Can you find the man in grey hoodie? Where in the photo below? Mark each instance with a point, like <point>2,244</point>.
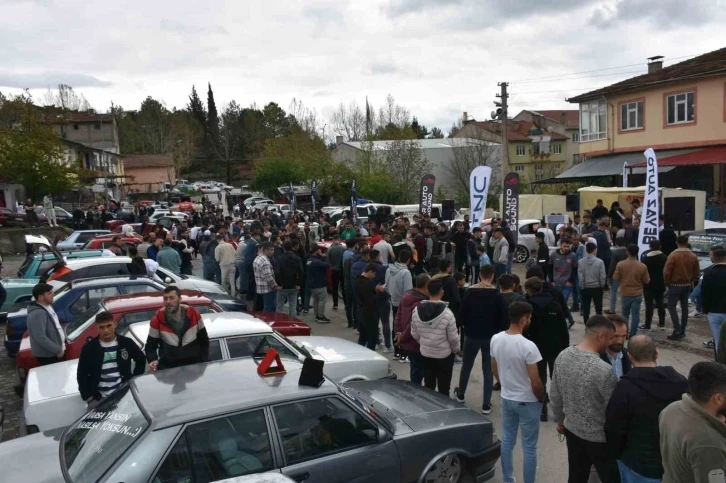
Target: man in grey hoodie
<point>564,272</point>
<point>591,279</point>
<point>47,339</point>
<point>398,281</point>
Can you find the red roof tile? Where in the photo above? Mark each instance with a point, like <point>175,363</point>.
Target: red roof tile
<point>568,117</point>
<point>710,64</point>
<point>712,155</point>
<point>518,130</point>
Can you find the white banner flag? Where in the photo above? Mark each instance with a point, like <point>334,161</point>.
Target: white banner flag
<point>478,190</point>
<point>651,204</point>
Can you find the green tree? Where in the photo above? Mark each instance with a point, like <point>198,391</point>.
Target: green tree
<point>420,131</point>
<point>271,173</point>
<point>436,133</point>
<point>276,121</point>
<point>31,153</point>
<point>212,117</point>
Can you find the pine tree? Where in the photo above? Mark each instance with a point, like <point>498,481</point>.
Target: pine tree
<point>212,117</point>
<point>196,107</point>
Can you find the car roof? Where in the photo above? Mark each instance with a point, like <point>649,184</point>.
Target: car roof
<point>189,393</point>
<point>110,280</point>
<point>77,263</point>
<point>221,324</point>
<point>141,301</point>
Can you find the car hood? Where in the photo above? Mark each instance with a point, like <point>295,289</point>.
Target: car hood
<point>419,408</point>
<point>203,285</point>
<point>333,349</point>
<point>51,381</point>
<point>45,465</point>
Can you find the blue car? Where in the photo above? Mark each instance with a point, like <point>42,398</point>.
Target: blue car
<point>75,298</point>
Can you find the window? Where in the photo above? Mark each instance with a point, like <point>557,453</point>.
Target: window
<point>312,429</point>
<point>631,116</point>
<point>557,148</point>
<point>222,448</point>
<point>84,237</point>
<point>205,309</point>
<point>519,168</point>
<point>576,159</point>
<point>681,108</point>
<point>96,125</point>
<point>520,149</point>
<point>75,127</point>
<point>92,298</point>
<point>140,289</point>
<point>245,346</point>
<point>535,148</point>
<point>575,137</point>
<point>593,121</point>
<point>133,317</point>
<point>215,350</point>
<point>107,270</point>
<point>558,165</point>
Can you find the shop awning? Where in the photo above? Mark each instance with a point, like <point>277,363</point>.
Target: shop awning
<point>701,157</point>
<point>612,165</point>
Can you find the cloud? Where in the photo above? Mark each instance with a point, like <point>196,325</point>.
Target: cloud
<point>382,68</point>
<point>193,29</point>
<point>663,13</point>
<point>42,80</point>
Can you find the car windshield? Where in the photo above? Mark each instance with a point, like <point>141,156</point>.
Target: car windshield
<point>299,347</point>
<point>95,442</point>
<point>704,243</point>
<point>80,324</point>
<point>23,270</point>
<point>61,292</point>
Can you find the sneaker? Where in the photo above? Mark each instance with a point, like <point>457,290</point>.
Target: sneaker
<point>459,397</point>
<point>661,327</point>
<point>709,344</point>
<point>676,336</point>
<point>396,356</point>
<point>379,347</point>
<point>497,386</point>
<point>458,360</point>
<point>695,313</point>
<point>486,409</point>
<point>322,320</point>
<point>335,307</point>
<point>569,325</point>
<point>643,327</point>
<point>325,319</point>
<point>403,359</point>
<point>305,312</point>
<point>388,350</point>
<point>609,312</point>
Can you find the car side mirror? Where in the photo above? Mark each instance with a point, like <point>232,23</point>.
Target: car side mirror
<point>383,435</point>
<point>167,280</point>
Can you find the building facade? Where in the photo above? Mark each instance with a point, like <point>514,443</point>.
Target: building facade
<point>146,173</point>
<point>565,122</point>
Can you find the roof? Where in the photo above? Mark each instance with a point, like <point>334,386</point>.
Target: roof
<point>568,117</point>
<point>147,301</point>
<point>710,64</point>
<point>221,324</point>
<point>58,115</point>
<point>182,394</point>
<point>111,280</point>
<point>706,156</point>
<point>135,161</point>
<point>611,165</point>
<point>519,130</point>
<point>445,143</point>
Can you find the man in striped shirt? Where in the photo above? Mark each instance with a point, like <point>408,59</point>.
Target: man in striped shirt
<point>265,277</point>
<point>105,361</point>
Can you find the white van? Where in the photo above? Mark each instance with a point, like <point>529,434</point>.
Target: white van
<point>410,210</point>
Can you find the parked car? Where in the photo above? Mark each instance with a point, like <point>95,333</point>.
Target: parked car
<point>231,334</point>
<point>5,214</point>
<point>701,243</point>
<point>128,309</point>
<point>105,241</point>
<point>20,219</point>
<point>77,239</point>
<point>167,424</point>
<point>18,290</point>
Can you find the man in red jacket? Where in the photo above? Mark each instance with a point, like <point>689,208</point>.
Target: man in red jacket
<point>409,347</point>
<point>179,331</point>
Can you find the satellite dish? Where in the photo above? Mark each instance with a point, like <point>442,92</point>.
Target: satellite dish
<point>494,114</point>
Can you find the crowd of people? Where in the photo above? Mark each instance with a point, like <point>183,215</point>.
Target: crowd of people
<point>452,296</point>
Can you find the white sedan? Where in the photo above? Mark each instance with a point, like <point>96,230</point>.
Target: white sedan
<point>51,392</point>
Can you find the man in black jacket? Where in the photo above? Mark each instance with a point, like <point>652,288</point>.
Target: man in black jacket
<point>289,274</point>
<point>316,281</point>
<point>631,426</point>
<point>655,260</point>
<point>543,252</point>
<point>367,314</point>
<point>616,354</point>
<point>712,293</point>
<point>105,361</point>
<point>451,289</point>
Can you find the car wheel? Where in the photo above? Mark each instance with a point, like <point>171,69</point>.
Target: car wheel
<point>521,254</point>
<point>448,469</point>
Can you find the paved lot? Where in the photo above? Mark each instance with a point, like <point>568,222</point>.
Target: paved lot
<point>552,464</point>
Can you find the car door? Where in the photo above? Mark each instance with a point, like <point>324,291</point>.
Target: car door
<point>220,448</point>
<point>324,440</point>
<point>90,299</point>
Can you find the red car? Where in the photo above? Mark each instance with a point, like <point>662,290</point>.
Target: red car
<point>101,242</point>
<point>128,309</point>
<point>5,214</point>
<point>115,225</point>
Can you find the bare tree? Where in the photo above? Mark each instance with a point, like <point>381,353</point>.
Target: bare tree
<point>392,113</point>
<point>306,118</point>
<point>407,164</point>
<point>66,98</point>
<point>349,121</point>
<point>468,153</point>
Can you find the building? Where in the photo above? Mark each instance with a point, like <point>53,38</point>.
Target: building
<point>91,129</point>
<point>145,173</point>
<point>451,158</point>
<point>106,165</point>
<point>535,152</point>
<point>565,122</point>
<point>679,111</point>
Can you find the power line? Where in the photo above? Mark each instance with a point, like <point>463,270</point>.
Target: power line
<point>560,76</point>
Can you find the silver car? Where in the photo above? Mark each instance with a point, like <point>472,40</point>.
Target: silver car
<point>208,422</point>
<point>78,238</point>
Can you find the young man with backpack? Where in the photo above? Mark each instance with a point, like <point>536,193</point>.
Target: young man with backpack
<point>289,274</point>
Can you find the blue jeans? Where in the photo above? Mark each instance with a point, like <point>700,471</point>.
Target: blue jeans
<point>268,300</point>
<point>417,370</point>
<point>501,269</point>
<point>288,295</point>
<point>510,259</point>
<point>566,291</point>
<point>614,286</point>
<point>696,297</point>
<point>676,294</point>
<point>716,321</point>
<point>576,295</point>
<point>516,415</point>
<point>629,476</point>
<point>208,271</point>
<point>471,348</point>
<point>631,306</point>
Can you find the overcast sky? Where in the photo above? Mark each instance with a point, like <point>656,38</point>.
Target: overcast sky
<point>437,57</point>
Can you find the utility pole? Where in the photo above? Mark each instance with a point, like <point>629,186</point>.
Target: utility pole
<point>505,138</point>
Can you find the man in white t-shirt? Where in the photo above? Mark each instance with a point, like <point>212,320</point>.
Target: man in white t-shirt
<point>514,363</point>
<point>385,249</point>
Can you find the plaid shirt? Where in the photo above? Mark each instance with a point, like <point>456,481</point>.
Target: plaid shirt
<point>264,275</point>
